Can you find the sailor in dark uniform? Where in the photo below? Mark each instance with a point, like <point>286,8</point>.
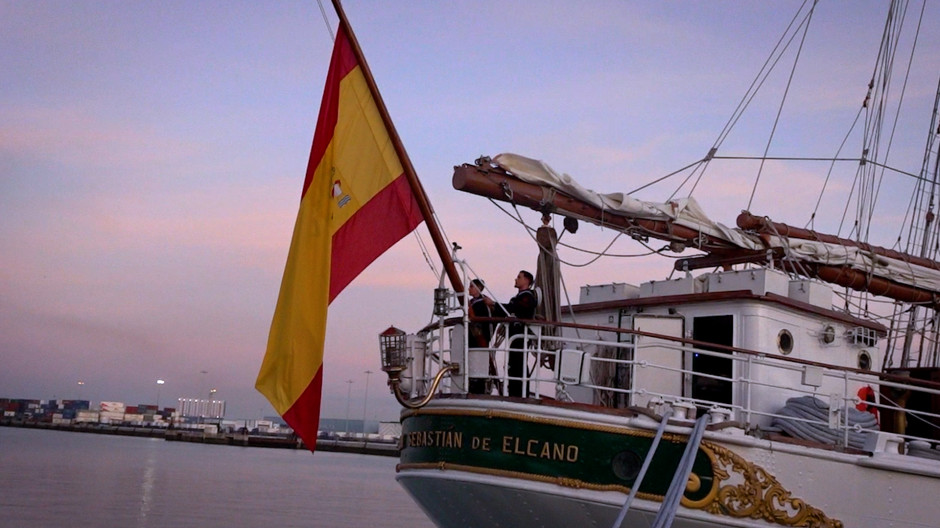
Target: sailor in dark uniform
<point>521,306</point>
<point>480,332</point>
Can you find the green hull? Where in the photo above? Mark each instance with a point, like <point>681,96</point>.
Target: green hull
<point>572,453</point>
<point>585,454</point>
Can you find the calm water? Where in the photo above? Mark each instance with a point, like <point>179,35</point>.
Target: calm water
<point>54,478</point>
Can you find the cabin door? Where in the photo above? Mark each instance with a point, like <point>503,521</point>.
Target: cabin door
<point>662,375</point>
<point>717,329</point>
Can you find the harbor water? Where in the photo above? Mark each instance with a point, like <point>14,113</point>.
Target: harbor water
<point>55,478</point>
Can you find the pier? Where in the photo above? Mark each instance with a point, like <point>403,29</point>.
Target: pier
<point>334,443</point>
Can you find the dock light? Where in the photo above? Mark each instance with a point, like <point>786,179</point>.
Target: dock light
<point>160,383</point>
<point>393,350</point>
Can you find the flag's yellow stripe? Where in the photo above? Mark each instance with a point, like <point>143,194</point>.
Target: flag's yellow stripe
<point>362,159</point>
<point>366,161</point>
<point>298,330</point>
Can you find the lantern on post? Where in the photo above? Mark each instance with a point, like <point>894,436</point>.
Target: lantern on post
<point>393,345</point>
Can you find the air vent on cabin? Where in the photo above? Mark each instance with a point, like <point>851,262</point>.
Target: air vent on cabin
<point>863,336</point>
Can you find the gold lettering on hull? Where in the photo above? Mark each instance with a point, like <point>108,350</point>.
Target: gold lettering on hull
<point>451,439</point>
<point>480,443</point>
<point>543,449</point>
<point>512,445</point>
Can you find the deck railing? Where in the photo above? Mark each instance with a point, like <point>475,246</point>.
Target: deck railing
<point>760,383</point>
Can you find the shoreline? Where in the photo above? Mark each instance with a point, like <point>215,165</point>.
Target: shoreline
<point>231,439</point>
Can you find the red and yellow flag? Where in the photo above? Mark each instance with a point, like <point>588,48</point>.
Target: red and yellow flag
<point>356,203</point>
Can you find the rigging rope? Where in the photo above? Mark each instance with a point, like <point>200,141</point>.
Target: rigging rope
<point>900,102</point>
<point>919,192</point>
<point>783,101</point>
<point>822,191</point>
<point>326,21</point>
<point>671,174</point>
<point>646,464</point>
<point>670,504</point>
<point>775,55</point>
<point>529,230</point>
<point>759,80</point>
<point>427,255</point>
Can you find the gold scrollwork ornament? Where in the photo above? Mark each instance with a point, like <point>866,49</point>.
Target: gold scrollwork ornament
<point>755,495</point>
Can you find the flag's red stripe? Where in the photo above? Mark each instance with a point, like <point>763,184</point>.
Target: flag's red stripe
<point>342,62</point>
<point>376,226</point>
<point>304,415</point>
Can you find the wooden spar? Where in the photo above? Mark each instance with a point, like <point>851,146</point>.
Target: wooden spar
<point>495,183</point>
<point>843,276</point>
<point>420,195</point>
<point>861,281</point>
<point>764,225</point>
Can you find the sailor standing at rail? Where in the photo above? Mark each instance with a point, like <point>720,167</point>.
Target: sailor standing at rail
<point>480,332</point>
<point>522,306</point>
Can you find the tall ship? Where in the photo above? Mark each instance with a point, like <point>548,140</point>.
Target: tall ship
<point>772,375</point>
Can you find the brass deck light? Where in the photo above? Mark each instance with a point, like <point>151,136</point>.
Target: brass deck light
<point>393,350</point>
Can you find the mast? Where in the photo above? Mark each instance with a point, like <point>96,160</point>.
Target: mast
<point>416,188</point>
<point>923,225</point>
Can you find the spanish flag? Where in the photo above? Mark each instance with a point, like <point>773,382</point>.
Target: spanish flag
<point>356,203</point>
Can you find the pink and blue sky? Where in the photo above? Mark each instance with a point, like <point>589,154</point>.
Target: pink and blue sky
<point>152,156</point>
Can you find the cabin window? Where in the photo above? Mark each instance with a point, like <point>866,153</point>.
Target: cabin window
<point>719,330</point>
<point>864,360</point>
<point>785,342</point>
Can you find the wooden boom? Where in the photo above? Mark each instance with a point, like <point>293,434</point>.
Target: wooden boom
<point>493,182</point>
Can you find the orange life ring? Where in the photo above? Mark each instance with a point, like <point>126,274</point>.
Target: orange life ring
<point>867,396</point>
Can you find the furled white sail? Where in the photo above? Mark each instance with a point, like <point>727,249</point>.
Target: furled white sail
<point>687,212</point>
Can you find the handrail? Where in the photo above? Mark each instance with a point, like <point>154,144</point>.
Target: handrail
<point>415,403</point>
<point>753,412</point>
<point>714,346</point>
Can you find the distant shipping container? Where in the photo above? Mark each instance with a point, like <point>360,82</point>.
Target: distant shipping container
<point>111,417</point>
<point>87,416</point>
<point>112,406</point>
<point>392,429</point>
